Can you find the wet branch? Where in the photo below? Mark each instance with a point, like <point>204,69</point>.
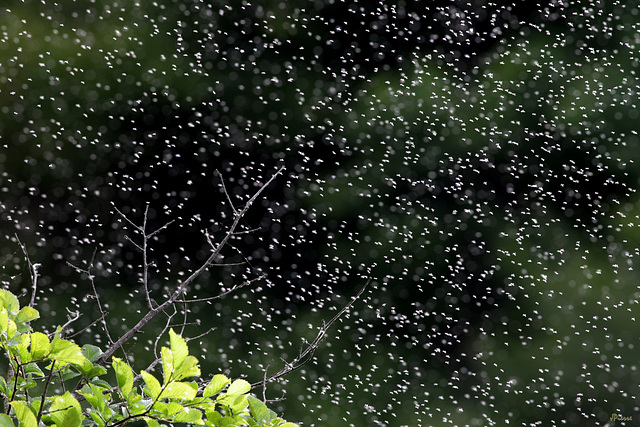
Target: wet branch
<point>33,271</point>
<point>181,289</point>
<point>306,353</point>
<point>144,247</point>
<point>103,314</point>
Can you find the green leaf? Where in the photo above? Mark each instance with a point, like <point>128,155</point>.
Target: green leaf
<point>65,411</point>
<point>22,348</point>
<point>173,408</point>
<point>85,368</point>
<point>91,352</point>
<point>4,321</point>
<point>189,368</point>
<point>98,392</point>
<point>260,411</point>
<point>228,422</point>
<point>97,419</point>
<point>214,417</point>
<point>9,301</point>
<point>33,369</point>
<point>24,414</point>
<point>152,423</point>
<point>35,405</point>
<point>124,376</point>
<point>100,383</point>
<point>137,408</point>
<point>40,345</point>
<point>217,384</point>
<point>11,328</point>
<point>180,390</point>
<point>239,386</point>
<point>153,385</point>
<point>27,384</point>
<point>167,364</point>
<point>189,415</point>
<point>93,399</point>
<point>95,396</point>
<point>178,347</point>
<point>288,425</point>
<point>68,374</point>
<point>159,407</point>
<point>66,352</point>
<point>235,402</point>
<point>27,314</point>
<point>6,421</point>
<point>96,371</point>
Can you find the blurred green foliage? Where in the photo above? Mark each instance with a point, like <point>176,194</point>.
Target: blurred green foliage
<point>488,184</point>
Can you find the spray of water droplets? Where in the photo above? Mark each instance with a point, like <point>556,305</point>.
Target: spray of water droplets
<point>474,159</point>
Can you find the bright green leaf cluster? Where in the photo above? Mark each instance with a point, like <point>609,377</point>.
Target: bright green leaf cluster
<point>39,363</point>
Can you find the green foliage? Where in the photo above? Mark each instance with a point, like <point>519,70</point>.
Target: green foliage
<point>40,368</point>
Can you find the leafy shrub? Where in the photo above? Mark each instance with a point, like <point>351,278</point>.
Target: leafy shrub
<point>55,382</point>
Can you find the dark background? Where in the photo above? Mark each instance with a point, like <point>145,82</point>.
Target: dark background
<point>475,159</point>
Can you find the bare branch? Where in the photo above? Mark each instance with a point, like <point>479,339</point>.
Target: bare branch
<point>185,284</point>
<point>253,230</point>
<point>127,238</point>
<point>103,314</point>
<point>33,272</point>
<point>187,339</point>
<point>227,292</point>
<point>145,264</point>
<point>144,247</point>
<point>306,353</point>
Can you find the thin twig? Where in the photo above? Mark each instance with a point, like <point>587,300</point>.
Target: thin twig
<point>74,315</point>
<point>101,318</point>
<point>159,337</point>
<point>306,354</point>
<point>33,272</point>
<point>264,381</point>
<point>103,314</point>
<point>227,292</point>
<point>144,248</point>
<point>145,264</point>
<point>133,224</point>
<point>187,339</point>
<point>224,189</point>
<point>167,224</point>
<point>44,393</point>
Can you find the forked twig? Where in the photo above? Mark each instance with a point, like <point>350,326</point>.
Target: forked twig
<point>224,189</point>
<point>33,272</point>
<point>144,247</point>
<point>81,331</point>
<point>73,316</point>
